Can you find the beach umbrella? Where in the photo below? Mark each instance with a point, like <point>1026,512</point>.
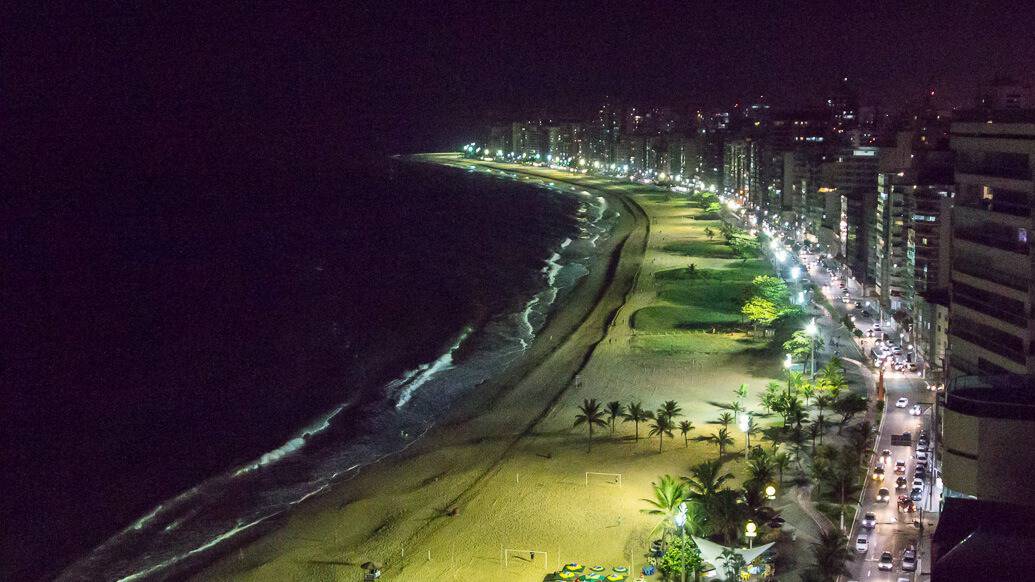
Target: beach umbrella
<point>573,567</point>
<point>597,569</point>
<point>621,569</point>
<point>566,575</point>
<point>615,578</point>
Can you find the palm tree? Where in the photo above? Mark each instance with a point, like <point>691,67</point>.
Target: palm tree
<point>742,392</point>
<point>770,395</point>
<point>726,515</point>
<point>708,232</point>
<point>830,552</point>
<point>781,461</point>
<point>721,439</point>
<point>724,419</point>
<point>670,409</point>
<point>761,470</point>
<point>668,494</point>
<point>661,426</point>
<point>706,478</point>
<point>685,427</point>
<point>737,408</point>
<point>636,414</point>
<point>614,410</point>
<point>590,415</point>
<point>807,389</point>
<point>823,401</point>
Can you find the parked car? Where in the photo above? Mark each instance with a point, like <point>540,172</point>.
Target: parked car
<point>869,332</point>
<point>916,410</point>
<point>897,350</point>
<point>862,543</point>
<point>886,562</point>
<point>902,402</point>
<point>916,494</point>
<point>918,482</point>
<point>869,521</point>
<point>883,495</point>
<point>921,456</point>
<point>909,559</point>
<point>901,482</point>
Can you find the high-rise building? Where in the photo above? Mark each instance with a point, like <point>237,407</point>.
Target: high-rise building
<point>603,133</point>
<point>991,285</point>
<point>848,181</point>
<point>527,138</point>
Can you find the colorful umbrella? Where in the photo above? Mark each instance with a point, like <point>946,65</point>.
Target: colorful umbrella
<point>621,569</point>
<point>597,569</point>
<point>565,575</point>
<point>615,577</point>
<point>573,567</point>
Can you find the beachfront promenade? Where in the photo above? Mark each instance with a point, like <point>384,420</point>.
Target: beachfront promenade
<point>511,471</point>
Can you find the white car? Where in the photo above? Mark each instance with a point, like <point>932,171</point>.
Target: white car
<point>869,521</point>
<point>921,456</point>
<point>902,402</point>
<point>909,559</point>
<point>862,543</point>
<point>918,482</point>
<point>886,562</point>
<point>916,410</point>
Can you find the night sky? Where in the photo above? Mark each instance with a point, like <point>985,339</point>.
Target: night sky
<point>317,77</point>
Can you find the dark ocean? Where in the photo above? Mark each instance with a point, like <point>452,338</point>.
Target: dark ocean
<point>203,365</point>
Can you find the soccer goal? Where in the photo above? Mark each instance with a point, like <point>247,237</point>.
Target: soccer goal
<point>615,478</point>
<point>530,554</point>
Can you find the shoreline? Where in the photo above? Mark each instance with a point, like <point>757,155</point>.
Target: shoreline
<point>562,348</point>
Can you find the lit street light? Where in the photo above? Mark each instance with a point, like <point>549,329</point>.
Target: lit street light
<point>751,530</point>
<point>770,492</point>
<point>811,330</point>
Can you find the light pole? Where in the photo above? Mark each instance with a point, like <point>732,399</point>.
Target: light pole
<point>745,426</point>
<point>787,363</point>
<point>811,330</point>
<point>751,530</point>
<point>680,521</point>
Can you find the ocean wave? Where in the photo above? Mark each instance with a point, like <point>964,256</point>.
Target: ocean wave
<point>429,370</point>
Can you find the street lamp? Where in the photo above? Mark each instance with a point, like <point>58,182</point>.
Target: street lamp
<point>751,530</point>
<point>770,492</point>
<point>744,425</point>
<point>787,363</point>
<point>679,519</point>
<point>811,330</point>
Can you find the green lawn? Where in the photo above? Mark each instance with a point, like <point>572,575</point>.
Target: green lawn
<point>694,342</point>
<point>714,249</point>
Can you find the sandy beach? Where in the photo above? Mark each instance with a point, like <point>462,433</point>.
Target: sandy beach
<point>507,470</point>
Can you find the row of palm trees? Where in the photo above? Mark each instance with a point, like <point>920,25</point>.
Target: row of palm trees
<point>662,422</point>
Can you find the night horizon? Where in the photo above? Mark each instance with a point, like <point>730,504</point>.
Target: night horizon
<point>542,291</point>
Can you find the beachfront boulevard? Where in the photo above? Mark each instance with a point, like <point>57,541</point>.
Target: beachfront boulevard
<point>693,417</point>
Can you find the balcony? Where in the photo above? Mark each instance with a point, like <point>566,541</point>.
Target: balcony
<point>985,342</point>
<point>997,206</point>
<point>991,239</point>
<point>1008,396</point>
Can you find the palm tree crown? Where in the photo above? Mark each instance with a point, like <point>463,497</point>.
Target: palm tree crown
<point>591,415</point>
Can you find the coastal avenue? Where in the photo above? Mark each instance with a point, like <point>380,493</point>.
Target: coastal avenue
<point>895,531</point>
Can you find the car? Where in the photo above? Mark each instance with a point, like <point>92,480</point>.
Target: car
<point>862,543</point>
<point>919,474</point>
<point>905,504</point>
<point>900,467</point>
<point>916,494</point>
<point>909,559</point>
<point>886,455</point>
<point>913,367</point>
<point>921,456</point>
<point>921,446</point>
<point>858,304</point>
<point>902,402</point>
<point>886,562</point>
<point>897,350</point>
<point>869,333</point>
<point>883,495</point>
<point>918,482</point>
<point>866,313</point>
<point>916,410</point>
<point>869,521</point>
<point>901,482</point>
<point>878,473</point>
